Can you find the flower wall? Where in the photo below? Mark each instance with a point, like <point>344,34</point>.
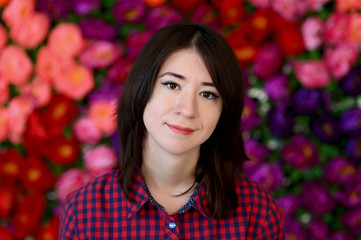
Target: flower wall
<point>63,63</point>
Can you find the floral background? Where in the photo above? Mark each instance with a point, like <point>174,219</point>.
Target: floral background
<point>63,63</point>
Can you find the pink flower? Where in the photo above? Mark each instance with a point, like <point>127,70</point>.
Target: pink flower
<point>3,124</point>
<point>268,61</point>
<point>290,9</point>
<point>47,64</point>
<point>75,81</point>
<point>312,74</point>
<point>316,5</point>
<point>65,40</point>
<point>18,111</point>
<point>17,11</point>
<point>32,31</point>
<point>136,41</point>
<point>100,160</point>
<point>12,59</point>
<point>205,14</point>
<point>340,59</point>
<point>38,92</point>
<point>3,37</point>
<point>4,91</point>
<point>85,130</point>
<point>100,54</point>
<point>354,33</point>
<point>312,30</point>
<point>260,3</point>
<point>336,28</point>
<point>345,5</point>
<point>70,181</point>
<point>103,114</point>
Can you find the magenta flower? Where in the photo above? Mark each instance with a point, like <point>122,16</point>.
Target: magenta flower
<point>107,92</point>
<point>289,205</point>
<point>280,121</point>
<point>312,73</point>
<point>269,175</point>
<point>86,131</point>
<point>341,171</point>
<point>353,147</point>
<point>268,61</point>
<point>318,230</point>
<point>82,7</point>
<point>352,219</point>
<point>312,30</point>
<point>205,14</point>
<point>325,127</point>
<point>316,5</point>
<point>349,195</point>
<point>290,9</point>
<point>54,8</point>
<point>350,122</point>
<point>300,153</point>
<point>341,236</point>
<point>100,160</point>
<point>161,16</point>
<point>256,152</point>
<point>97,29</point>
<point>278,88</point>
<point>340,59</point>
<point>336,28</point>
<point>294,231</point>
<point>316,198</point>
<point>119,71</point>
<point>136,41</point>
<point>250,118</point>
<point>351,84</point>
<point>129,11</point>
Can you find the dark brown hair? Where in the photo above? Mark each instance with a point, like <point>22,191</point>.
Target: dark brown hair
<point>222,155</point>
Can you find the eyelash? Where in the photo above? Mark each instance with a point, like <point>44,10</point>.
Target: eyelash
<point>173,86</point>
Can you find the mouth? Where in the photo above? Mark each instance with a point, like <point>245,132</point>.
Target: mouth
<point>180,130</point>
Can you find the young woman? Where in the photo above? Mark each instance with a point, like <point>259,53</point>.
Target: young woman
<point>182,151</point>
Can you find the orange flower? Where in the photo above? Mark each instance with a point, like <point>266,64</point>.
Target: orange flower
<point>355,28</point>
<point>16,11</point>
<point>38,92</point>
<point>3,124</point>
<point>32,31</point>
<point>345,5</point>
<point>65,40</point>
<point>76,81</point>
<point>103,115</point>
<point>3,37</point>
<point>47,65</point>
<point>12,59</point>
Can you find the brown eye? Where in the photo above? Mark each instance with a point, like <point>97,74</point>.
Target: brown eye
<point>209,95</point>
<point>171,85</point>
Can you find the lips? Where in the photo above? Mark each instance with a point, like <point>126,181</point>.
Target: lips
<point>180,130</point>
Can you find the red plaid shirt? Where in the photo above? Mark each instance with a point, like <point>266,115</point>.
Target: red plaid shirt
<point>100,211</point>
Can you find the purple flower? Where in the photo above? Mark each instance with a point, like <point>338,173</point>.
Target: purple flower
<point>353,149</point>
<point>269,175</point>
<point>256,153</point>
<point>280,121</point>
<point>136,41</point>
<point>54,8</point>
<point>268,61</point>
<point>307,101</point>
<point>318,230</point>
<point>300,153</point>
<point>250,117</point>
<point>341,171</point>
<point>350,122</point>
<point>325,128</point>
<point>205,14</point>
<point>316,198</point>
<point>161,16</point>
<point>129,10</point>
<point>294,231</point>
<point>97,29</point>
<point>278,88</point>
<point>352,219</point>
<point>82,7</point>
<point>108,91</point>
<point>350,195</point>
<point>289,205</point>
<point>351,83</point>
<point>114,139</point>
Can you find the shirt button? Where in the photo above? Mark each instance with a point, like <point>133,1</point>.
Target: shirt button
<point>172,225</point>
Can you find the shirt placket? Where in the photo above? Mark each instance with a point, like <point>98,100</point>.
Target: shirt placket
<point>171,228</point>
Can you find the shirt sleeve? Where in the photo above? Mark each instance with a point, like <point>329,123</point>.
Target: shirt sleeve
<point>68,228</point>
<point>273,226</point>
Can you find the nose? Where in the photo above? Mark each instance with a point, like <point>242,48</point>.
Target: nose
<point>186,105</point>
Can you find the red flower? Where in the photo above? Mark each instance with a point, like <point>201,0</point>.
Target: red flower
<point>260,26</point>
<point>10,166</point>
<point>7,200</point>
<point>231,12</point>
<point>290,40</point>
<point>36,175</point>
<point>48,231</point>
<point>244,51</point>
<point>61,150</point>
<point>186,5</point>
<point>5,233</point>
<point>28,215</point>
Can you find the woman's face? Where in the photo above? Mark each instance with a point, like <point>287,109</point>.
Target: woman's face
<point>184,107</point>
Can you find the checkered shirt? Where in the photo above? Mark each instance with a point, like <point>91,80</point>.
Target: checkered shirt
<point>99,210</point>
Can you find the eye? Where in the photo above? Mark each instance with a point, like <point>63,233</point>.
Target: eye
<point>171,85</point>
<point>209,95</point>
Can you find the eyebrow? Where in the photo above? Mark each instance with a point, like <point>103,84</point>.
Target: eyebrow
<point>181,77</point>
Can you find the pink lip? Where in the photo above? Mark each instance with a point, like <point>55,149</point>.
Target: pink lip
<point>180,130</point>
